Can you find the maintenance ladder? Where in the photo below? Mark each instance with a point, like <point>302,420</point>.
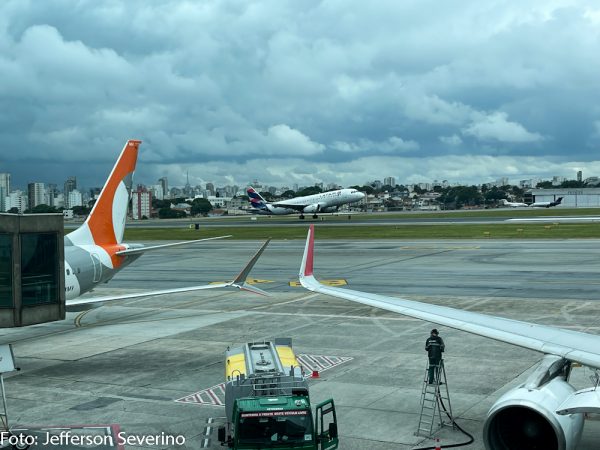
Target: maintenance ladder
<point>435,402</point>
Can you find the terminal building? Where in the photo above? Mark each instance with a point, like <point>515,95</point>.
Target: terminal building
<point>572,197</point>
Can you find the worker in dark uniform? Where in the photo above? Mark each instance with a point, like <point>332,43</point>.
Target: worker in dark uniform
<point>434,346</point>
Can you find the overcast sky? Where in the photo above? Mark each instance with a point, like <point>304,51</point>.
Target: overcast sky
<point>300,91</point>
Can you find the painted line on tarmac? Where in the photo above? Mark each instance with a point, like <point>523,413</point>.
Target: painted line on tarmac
<point>248,280</point>
<point>338,282</point>
<point>215,395</point>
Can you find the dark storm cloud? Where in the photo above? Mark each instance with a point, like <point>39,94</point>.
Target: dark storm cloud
<point>299,91</point>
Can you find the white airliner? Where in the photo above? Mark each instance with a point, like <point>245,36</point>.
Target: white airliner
<point>532,205</point>
<point>95,252</point>
<point>324,202</point>
<point>543,413</point>
<point>513,204</point>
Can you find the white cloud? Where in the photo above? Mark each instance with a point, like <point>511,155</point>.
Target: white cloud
<point>452,141</point>
<point>497,127</point>
<point>393,144</point>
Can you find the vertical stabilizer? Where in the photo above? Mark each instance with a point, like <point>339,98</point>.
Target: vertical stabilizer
<point>106,223</point>
<point>256,200</point>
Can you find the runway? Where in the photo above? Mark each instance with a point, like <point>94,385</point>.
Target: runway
<point>128,363</point>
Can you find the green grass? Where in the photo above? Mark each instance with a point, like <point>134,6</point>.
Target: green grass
<point>445,231</point>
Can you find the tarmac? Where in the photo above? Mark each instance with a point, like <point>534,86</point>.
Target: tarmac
<point>153,366</point>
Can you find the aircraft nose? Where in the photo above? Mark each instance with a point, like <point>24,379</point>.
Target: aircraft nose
<point>361,195</point>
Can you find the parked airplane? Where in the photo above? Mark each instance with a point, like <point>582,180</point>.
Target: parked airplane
<point>544,412</point>
<point>95,251</point>
<point>547,204</point>
<point>532,205</point>
<point>324,202</point>
<point>513,204</point>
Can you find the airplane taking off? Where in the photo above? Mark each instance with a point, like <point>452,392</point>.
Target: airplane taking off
<point>544,412</point>
<point>95,251</point>
<point>325,202</point>
<point>532,205</point>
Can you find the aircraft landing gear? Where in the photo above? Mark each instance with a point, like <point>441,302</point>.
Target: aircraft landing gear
<point>315,216</point>
<point>302,216</point>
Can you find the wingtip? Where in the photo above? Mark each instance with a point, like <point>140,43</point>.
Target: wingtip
<point>307,260</point>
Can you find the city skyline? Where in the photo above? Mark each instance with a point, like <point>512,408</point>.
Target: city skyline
<point>301,92</point>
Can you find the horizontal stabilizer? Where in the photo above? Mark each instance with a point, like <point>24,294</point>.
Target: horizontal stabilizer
<point>140,250</point>
<point>239,283</point>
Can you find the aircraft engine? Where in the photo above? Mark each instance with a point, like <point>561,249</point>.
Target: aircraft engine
<point>329,209</point>
<point>525,418</point>
<point>314,208</point>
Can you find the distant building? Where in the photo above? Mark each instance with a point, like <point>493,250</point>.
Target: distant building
<point>165,186</point>
<point>4,190</point>
<point>17,199</point>
<point>157,191</point>
<point>74,198</point>
<point>141,204</point>
<point>389,181</point>
<point>51,193</point>
<point>558,180</point>
<point>70,185</point>
<point>36,194</point>
<point>579,176</point>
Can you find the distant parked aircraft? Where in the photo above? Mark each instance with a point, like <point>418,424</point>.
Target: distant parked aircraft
<point>324,202</point>
<point>532,205</point>
<point>513,204</point>
<point>547,204</point>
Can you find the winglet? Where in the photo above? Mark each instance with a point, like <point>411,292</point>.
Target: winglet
<point>240,280</point>
<point>306,269</point>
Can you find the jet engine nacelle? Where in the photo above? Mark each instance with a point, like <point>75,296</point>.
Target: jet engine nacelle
<point>329,209</point>
<point>526,418</point>
<point>314,208</point>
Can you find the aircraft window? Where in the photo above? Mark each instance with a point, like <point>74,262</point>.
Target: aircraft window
<point>6,291</point>
<point>68,272</point>
<point>39,268</point>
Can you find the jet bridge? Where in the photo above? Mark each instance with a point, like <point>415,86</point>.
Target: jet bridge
<point>32,272</point>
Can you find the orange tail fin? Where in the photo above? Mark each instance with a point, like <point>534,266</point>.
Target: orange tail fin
<point>106,223</point>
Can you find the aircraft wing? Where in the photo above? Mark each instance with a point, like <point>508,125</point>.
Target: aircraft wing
<point>239,282</point>
<point>139,250</point>
<point>572,345</point>
<point>298,208</point>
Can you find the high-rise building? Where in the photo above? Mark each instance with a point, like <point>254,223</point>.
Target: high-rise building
<point>579,175</point>
<point>141,203</point>
<point>51,193</point>
<point>389,181</point>
<point>73,199</point>
<point>70,185</point>
<point>210,188</point>
<point>4,190</point>
<point>36,193</point>
<point>157,191</point>
<point>165,186</point>
<point>17,199</point>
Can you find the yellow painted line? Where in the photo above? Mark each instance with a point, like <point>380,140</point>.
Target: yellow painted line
<point>248,280</point>
<point>340,282</point>
<point>77,320</point>
<point>438,247</point>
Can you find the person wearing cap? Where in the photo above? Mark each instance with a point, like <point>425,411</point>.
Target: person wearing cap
<point>434,346</point>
